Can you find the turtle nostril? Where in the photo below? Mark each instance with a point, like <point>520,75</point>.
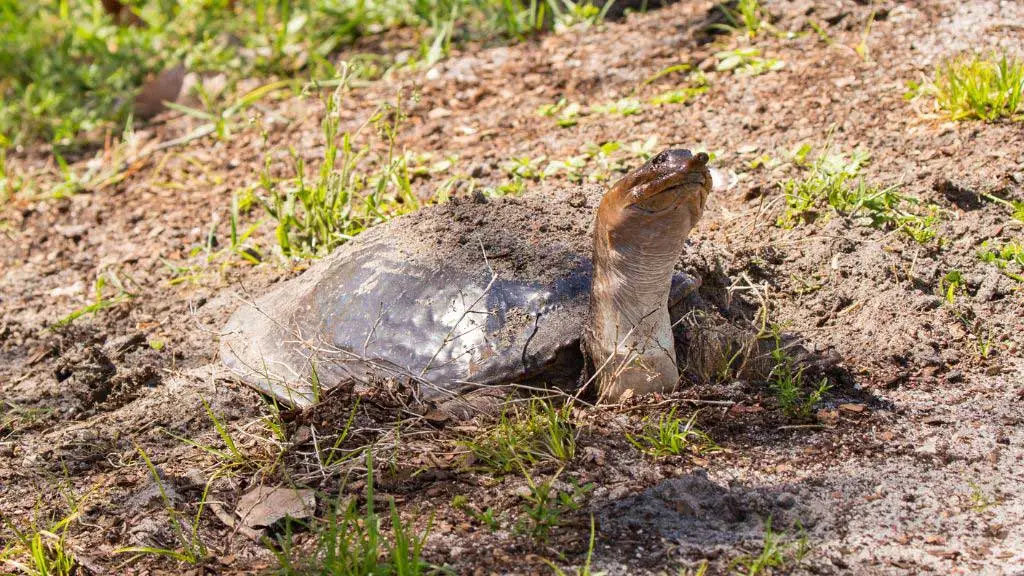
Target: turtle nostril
<point>703,158</point>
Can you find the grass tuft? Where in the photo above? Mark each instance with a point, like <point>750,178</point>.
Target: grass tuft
<point>1009,258</point>
<point>777,552</point>
<point>350,541</point>
<point>525,436</point>
<point>545,506</point>
<point>747,62</point>
<point>346,196</point>
<point>671,436</point>
<point>746,15</point>
<point>978,87</point>
<point>835,180</point>
<point>796,397</point>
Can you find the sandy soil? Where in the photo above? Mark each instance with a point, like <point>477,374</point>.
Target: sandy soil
<point>913,464</point>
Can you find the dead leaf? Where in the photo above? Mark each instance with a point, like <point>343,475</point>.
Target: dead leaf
<point>165,87</point>
<point>264,505</point>
<point>853,408</point>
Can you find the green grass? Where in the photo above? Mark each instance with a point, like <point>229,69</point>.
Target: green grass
<point>565,113</point>
<point>975,87</point>
<point>747,62</point>
<point>523,437</point>
<point>747,16</point>
<point>980,501</point>
<point>100,301</point>
<point>71,74</point>
<point>1008,257</point>
<point>671,436</point>
<point>836,181</point>
<point>353,189</point>
<point>620,107</point>
<point>191,549</point>
<point>585,569</point>
<point>1016,206</point>
<point>796,397</point>
<point>777,553</point>
<point>262,455</point>
<point>350,541</point>
<point>40,551</point>
<point>486,517</point>
<point>950,285</point>
<point>544,506</point>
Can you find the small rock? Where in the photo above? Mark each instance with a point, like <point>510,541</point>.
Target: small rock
<point>928,448</point>
<point>522,492</point>
<point>437,113</point>
<point>853,408</point>
<point>592,454</point>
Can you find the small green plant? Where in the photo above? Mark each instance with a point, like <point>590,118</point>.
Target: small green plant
<point>100,302</point>
<point>486,517</point>
<point>747,62</point>
<point>980,501</point>
<point>748,16</point>
<point>350,542</point>
<point>621,107</point>
<point>776,552</point>
<point>1016,206</point>
<point>343,200</point>
<point>545,506</point>
<point>565,113</point>
<point>978,87</point>
<point>41,551</point>
<point>584,13</point>
<point>524,437</point>
<point>583,570</point>
<point>231,459</point>
<point>951,284</point>
<point>862,49</point>
<point>671,436</point>
<point>796,397</point>
<point>836,181</point>
<point>1009,258</point>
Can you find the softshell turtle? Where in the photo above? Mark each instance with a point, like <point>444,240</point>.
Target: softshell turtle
<point>476,293</point>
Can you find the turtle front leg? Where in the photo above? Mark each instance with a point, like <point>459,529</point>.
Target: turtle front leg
<point>683,286</point>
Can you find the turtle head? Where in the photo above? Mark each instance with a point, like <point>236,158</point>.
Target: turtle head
<point>641,227</point>
<point>658,203</point>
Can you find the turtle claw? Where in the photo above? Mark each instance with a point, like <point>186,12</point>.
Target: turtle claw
<point>683,286</point>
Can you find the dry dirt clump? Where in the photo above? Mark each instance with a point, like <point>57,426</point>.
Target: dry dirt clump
<point>908,461</point>
<point>538,236</point>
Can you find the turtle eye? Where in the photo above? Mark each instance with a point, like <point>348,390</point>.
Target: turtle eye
<point>675,156</point>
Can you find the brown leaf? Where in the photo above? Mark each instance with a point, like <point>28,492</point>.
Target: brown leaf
<point>264,505</point>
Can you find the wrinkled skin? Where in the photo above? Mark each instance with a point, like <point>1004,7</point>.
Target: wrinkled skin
<point>642,224</point>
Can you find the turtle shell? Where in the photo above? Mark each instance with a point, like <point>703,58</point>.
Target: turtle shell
<point>453,297</point>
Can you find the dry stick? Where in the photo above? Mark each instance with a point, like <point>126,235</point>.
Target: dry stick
<point>376,322</point>
<point>316,451</point>
<point>487,289</point>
